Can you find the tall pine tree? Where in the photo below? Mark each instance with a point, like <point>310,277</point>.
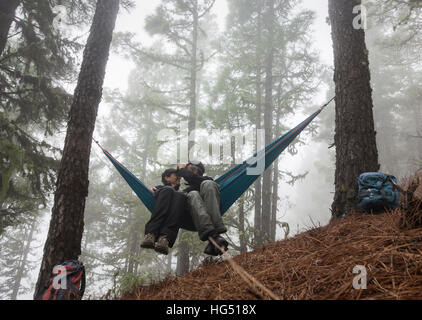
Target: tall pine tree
<point>180,23</point>
<point>36,63</point>
<point>66,225</point>
<point>268,72</point>
<point>356,149</point>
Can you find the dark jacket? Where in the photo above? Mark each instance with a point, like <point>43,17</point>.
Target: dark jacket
<point>162,186</point>
<point>193,179</point>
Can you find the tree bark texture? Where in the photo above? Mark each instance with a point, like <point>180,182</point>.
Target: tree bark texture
<point>67,220</point>
<point>258,122</point>
<point>193,74</point>
<point>242,222</point>
<point>268,120</point>
<point>355,141</point>
<point>184,248</point>
<point>182,265</point>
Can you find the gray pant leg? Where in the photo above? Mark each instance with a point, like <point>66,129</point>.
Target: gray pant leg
<point>200,216</point>
<point>210,193</point>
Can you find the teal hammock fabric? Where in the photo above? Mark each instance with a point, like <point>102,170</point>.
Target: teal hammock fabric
<point>234,182</point>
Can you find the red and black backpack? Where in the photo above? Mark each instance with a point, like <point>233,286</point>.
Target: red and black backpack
<point>66,283</point>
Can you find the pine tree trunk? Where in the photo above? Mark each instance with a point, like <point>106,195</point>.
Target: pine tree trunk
<point>274,200</point>
<point>136,228</point>
<point>145,156</point>
<point>133,244</point>
<point>182,266</point>
<point>183,249</point>
<point>266,181</point>
<point>258,183</point>
<point>23,262</point>
<point>193,73</point>
<point>257,214</point>
<point>356,149</point>
<point>242,231</point>
<point>7,14</point>
<point>67,221</point>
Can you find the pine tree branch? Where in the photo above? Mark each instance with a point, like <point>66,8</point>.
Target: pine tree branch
<point>206,10</point>
<point>160,58</point>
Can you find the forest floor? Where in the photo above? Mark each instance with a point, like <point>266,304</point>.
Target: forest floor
<point>327,262</point>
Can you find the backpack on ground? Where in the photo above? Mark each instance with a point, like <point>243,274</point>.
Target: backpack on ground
<point>66,283</point>
<point>376,192</point>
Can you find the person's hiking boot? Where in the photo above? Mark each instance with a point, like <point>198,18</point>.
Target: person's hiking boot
<point>211,250</point>
<point>222,243</point>
<point>162,245</point>
<point>149,241</point>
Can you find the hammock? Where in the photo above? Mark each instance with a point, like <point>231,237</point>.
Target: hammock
<point>234,182</point>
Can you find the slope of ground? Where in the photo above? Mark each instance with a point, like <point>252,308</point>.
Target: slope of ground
<point>317,264</point>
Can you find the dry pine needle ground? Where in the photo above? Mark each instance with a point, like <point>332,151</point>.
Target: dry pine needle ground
<point>317,264</point>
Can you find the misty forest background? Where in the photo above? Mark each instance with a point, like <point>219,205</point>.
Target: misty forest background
<point>212,77</point>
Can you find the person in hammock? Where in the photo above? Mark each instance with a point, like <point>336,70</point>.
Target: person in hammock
<point>162,229</point>
<point>203,199</point>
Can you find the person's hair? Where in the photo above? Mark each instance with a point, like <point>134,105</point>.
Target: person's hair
<point>198,165</point>
<point>167,173</point>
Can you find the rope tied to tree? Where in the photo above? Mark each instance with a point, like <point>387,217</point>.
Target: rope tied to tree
<point>323,107</point>
<point>98,144</point>
<point>253,283</point>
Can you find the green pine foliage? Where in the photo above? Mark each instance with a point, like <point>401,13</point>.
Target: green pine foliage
<point>236,94</point>
<point>36,66</point>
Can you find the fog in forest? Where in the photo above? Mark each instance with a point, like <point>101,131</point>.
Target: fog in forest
<point>147,89</point>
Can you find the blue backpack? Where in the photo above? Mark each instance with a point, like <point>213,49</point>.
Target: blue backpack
<point>376,193</point>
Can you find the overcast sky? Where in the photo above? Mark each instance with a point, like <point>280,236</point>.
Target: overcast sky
<point>118,68</point>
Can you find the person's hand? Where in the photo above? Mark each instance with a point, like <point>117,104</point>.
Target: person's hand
<point>181,166</point>
<point>153,189</point>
